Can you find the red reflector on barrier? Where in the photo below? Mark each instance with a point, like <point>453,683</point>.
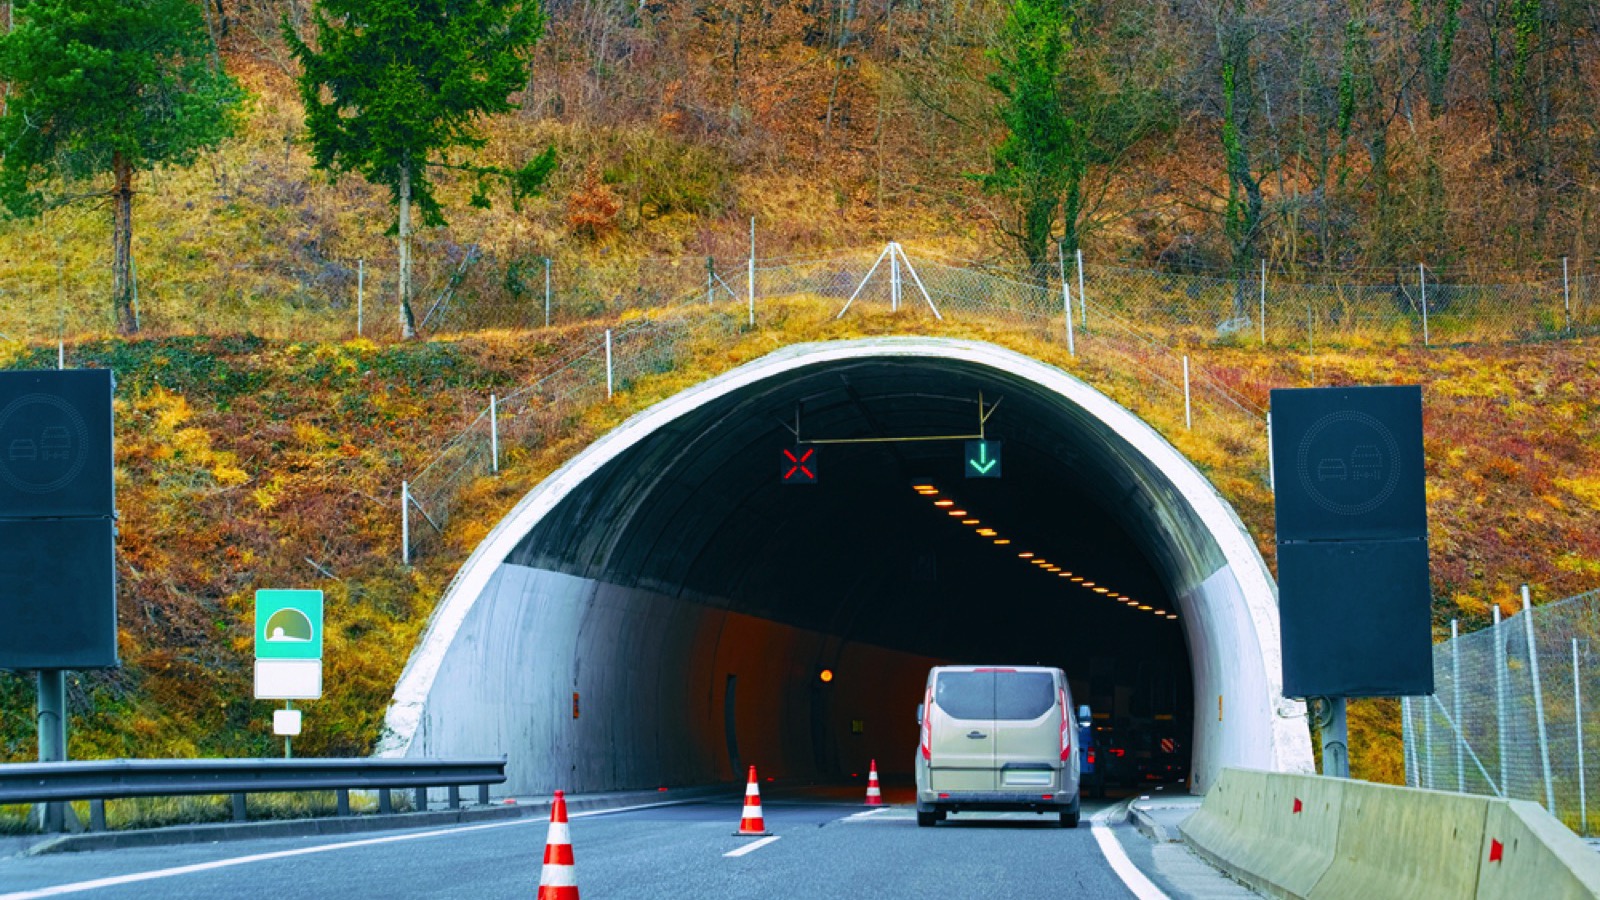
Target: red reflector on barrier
<point>1497,850</point>
<point>1297,805</point>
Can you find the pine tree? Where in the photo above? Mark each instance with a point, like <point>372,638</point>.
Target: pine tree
<point>106,87</point>
<point>393,84</point>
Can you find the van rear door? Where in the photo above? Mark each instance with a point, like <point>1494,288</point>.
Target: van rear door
<point>1029,711</point>
<point>962,751</point>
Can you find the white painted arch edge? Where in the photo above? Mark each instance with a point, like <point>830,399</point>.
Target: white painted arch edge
<point>1291,743</point>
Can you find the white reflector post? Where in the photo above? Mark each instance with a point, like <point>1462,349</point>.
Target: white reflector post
<point>286,722</point>
<point>288,679</point>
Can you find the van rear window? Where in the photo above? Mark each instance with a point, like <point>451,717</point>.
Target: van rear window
<point>966,695</point>
<point>995,695</point>
<point>1023,695</point>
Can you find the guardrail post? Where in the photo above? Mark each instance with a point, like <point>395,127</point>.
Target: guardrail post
<point>385,802</point>
<point>421,799</point>
<point>342,803</point>
<point>455,796</point>
<point>483,794</point>
<point>97,815</point>
<point>241,809</point>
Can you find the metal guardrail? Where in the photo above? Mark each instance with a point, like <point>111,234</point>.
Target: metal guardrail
<point>102,780</point>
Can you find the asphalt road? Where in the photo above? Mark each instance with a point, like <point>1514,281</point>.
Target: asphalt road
<point>825,847</point>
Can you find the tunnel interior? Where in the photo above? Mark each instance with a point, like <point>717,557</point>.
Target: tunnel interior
<point>688,598</point>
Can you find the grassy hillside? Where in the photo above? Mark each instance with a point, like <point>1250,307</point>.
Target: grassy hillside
<point>246,462</point>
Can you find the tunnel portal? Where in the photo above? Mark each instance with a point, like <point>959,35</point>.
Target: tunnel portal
<point>660,611</point>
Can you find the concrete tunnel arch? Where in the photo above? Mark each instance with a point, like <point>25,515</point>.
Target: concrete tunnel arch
<point>585,593</point>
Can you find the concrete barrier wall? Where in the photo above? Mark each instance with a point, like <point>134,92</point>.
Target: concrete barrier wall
<point>1313,837</point>
<point>651,675</point>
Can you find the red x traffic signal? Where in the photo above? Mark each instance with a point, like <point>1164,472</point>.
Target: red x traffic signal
<point>798,466</point>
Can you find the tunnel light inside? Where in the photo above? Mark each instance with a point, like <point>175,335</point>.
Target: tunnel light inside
<point>987,532</point>
<point>1088,584</point>
<point>1026,554</point>
<point>1144,608</point>
<point>920,488</point>
<point>957,512</point>
<point>1002,541</point>
<point>969,521</point>
<point>944,503</point>
<point>1077,578</point>
<point>1171,616</point>
<point>1101,591</point>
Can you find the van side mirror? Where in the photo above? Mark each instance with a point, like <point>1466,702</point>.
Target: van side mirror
<point>919,713</point>
<point>1083,715</point>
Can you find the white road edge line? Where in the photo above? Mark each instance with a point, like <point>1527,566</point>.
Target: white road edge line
<point>1137,881</point>
<point>136,877</point>
<point>747,848</point>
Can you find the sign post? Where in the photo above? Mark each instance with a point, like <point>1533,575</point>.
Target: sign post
<point>58,594</point>
<point>288,654</point>
<point>1354,599</point>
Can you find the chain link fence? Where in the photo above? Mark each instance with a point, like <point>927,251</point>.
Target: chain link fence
<point>1512,713</point>
<point>1152,376</point>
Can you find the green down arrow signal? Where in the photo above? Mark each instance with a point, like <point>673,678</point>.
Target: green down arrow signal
<point>983,459</point>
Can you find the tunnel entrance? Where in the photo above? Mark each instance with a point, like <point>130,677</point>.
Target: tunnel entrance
<point>673,581</point>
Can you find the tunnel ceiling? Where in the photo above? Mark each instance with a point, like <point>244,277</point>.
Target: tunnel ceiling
<point>697,511</point>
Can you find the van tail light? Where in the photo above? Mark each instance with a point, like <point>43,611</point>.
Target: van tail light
<point>1066,739</point>
<point>927,725</point>
<point>1090,751</point>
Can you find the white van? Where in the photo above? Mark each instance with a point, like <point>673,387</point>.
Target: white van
<point>997,738</point>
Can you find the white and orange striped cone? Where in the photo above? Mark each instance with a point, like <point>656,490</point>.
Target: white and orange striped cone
<point>874,795</point>
<point>559,879</point>
<point>752,824</point>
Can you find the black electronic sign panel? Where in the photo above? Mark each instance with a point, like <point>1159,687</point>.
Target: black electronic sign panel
<point>1354,599</point>
<point>55,444</point>
<point>1356,619</point>
<point>1347,463</point>
<point>58,606</point>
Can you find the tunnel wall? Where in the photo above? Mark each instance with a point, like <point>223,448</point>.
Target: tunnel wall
<point>651,675</point>
<point>1224,592</point>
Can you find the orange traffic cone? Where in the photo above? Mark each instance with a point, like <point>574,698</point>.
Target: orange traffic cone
<point>874,796</point>
<point>752,824</point>
<point>559,879</point>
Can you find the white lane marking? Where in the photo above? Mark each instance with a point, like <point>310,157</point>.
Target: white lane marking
<point>1142,886</point>
<point>747,848</point>
<point>136,877</point>
<point>857,817</point>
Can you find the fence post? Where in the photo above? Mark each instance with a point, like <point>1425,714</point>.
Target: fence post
<point>361,292</point>
<point>1311,334</point>
<point>1263,302</point>
<point>1188,409</point>
<point>1408,743</point>
<point>608,363</point>
<point>1422,278</point>
<point>1455,706</point>
<point>894,279</point>
<point>1083,299</point>
<point>1427,745</point>
<point>751,280</point>
<point>494,433</point>
<point>405,523</point>
<point>1066,296</point>
<point>711,279</point>
<point>1577,709</point>
<point>1566,293</point>
<point>1538,703</point>
<point>547,292</point>
<point>1500,700</point>
<point>1272,472</point>
<point>61,353</point>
